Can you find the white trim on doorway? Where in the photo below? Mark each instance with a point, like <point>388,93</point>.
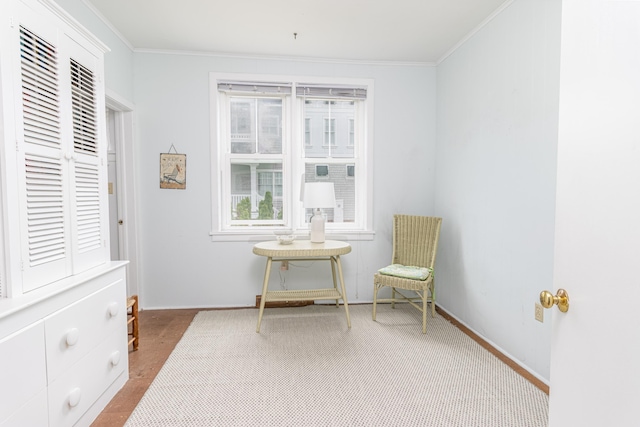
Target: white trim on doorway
<point>127,212</point>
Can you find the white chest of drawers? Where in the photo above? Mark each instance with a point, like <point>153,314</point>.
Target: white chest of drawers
<point>63,351</point>
<point>23,377</point>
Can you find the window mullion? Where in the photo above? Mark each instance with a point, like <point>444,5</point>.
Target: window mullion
<point>360,153</point>
<point>287,163</point>
<point>224,165</point>
<point>300,161</point>
<point>256,148</point>
<point>225,186</point>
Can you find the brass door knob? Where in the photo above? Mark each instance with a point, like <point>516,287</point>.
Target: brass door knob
<point>561,299</point>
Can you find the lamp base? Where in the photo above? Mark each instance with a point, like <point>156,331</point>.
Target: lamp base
<point>317,227</point>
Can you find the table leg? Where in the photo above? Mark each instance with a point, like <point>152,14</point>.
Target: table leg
<point>344,292</point>
<point>263,299</point>
<point>333,274</point>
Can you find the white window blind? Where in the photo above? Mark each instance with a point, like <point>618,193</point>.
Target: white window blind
<point>255,88</point>
<point>334,91</point>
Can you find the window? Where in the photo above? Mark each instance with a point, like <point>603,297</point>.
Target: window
<point>352,134</point>
<point>262,134</point>
<point>351,171</point>
<point>329,131</point>
<point>241,118</point>
<point>307,132</point>
<point>322,170</point>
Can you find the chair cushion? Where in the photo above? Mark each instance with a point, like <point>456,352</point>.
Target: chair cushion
<point>406,272</point>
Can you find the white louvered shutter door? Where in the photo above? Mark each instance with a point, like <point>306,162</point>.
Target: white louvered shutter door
<point>43,203</point>
<point>89,213</point>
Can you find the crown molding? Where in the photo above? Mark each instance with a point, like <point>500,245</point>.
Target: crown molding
<point>284,58</point>
<point>108,23</point>
<point>73,23</point>
<point>473,32</point>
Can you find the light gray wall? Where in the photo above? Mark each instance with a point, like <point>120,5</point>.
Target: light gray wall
<point>495,178</point>
<point>181,266</point>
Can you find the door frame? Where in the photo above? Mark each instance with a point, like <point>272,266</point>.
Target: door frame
<point>127,211</point>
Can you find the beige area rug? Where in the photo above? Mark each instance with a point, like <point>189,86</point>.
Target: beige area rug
<point>306,368</point>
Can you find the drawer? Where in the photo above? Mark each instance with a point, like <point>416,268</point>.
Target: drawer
<point>33,413</point>
<point>78,388</point>
<point>22,369</point>
<point>75,331</point>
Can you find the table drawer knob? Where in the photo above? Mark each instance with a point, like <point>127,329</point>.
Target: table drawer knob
<point>114,309</point>
<point>74,397</point>
<point>115,358</point>
<point>72,337</point>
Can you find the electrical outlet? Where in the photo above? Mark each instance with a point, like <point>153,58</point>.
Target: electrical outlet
<point>284,265</point>
<point>539,313</point>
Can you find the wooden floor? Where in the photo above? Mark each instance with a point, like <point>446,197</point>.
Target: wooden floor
<point>160,331</point>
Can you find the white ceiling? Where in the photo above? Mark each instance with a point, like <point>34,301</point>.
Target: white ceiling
<point>420,31</point>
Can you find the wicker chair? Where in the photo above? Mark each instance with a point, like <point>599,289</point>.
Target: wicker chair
<point>415,243</point>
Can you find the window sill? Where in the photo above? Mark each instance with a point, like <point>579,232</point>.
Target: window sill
<point>235,236</point>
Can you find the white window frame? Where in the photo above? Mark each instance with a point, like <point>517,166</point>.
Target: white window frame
<point>292,164</point>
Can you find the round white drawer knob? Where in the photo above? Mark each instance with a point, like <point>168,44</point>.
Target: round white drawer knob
<point>74,397</point>
<point>115,358</point>
<point>114,309</point>
<point>72,336</point>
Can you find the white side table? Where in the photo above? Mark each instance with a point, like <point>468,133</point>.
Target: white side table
<point>330,250</point>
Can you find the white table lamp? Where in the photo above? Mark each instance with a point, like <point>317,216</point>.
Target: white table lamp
<point>318,195</point>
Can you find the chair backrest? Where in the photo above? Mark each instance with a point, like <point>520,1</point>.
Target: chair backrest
<point>415,240</point>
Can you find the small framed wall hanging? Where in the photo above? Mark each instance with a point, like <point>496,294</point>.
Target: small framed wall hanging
<point>173,170</point>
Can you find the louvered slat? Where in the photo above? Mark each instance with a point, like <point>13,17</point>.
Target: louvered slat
<point>43,175</point>
<point>85,132</point>
<point>39,65</point>
<point>63,226</point>
<point>88,211</point>
<point>45,210</point>
<point>42,78</point>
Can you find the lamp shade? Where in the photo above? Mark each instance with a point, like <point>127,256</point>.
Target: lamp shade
<point>319,195</point>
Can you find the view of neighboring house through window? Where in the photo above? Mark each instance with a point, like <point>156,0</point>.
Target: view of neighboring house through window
<point>351,171</point>
<point>269,134</point>
<point>329,129</point>
<point>255,157</point>
<point>307,131</point>
<point>331,120</point>
<point>352,133</point>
